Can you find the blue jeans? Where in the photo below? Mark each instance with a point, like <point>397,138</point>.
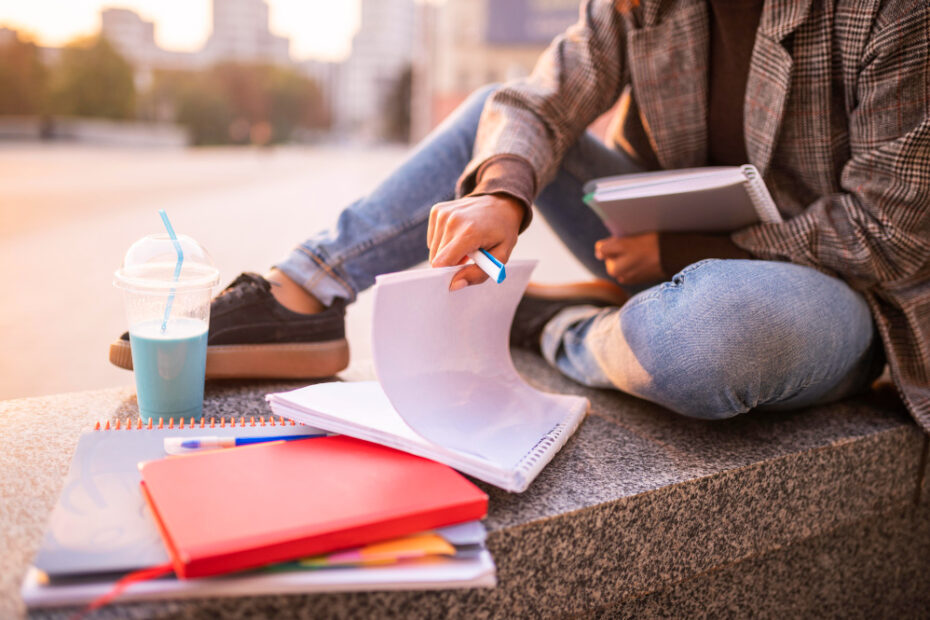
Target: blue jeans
<point>721,338</point>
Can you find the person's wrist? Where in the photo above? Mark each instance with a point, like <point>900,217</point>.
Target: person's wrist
<point>515,209</point>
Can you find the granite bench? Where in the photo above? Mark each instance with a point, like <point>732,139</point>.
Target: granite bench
<point>818,512</point>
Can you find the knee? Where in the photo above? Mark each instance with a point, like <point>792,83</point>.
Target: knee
<point>714,350</point>
<point>706,384</point>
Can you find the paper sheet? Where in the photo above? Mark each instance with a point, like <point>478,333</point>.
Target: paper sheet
<point>447,389</point>
<point>443,360</point>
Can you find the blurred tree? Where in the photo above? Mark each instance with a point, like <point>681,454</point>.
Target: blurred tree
<point>239,104</point>
<point>294,101</point>
<point>92,79</point>
<point>207,115</point>
<point>22,78</point>
<point>244,88</point>
<point>190,99</point>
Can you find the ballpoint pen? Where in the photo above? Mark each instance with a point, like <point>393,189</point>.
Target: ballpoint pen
<point>183,445</point>
<point>489,265</point>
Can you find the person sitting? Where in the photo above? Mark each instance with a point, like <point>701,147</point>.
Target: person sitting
<point>828,100</point>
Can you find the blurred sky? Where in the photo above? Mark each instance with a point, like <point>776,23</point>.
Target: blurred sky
<point>317,28</point>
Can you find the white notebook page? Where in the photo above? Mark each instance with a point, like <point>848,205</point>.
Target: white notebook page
<point>443,359</point>
<point>447,388</point>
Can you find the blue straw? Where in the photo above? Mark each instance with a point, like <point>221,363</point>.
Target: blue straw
<point>177,268</point>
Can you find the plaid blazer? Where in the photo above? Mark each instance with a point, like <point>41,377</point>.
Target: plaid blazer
<point>837,119</point>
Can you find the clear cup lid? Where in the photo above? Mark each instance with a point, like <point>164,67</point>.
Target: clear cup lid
<point>151,262</point>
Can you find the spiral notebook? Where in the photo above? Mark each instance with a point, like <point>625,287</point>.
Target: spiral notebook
<point>101,529</point>
<point>712,199</point>
<point>101,525</point>
<point>447,388</point>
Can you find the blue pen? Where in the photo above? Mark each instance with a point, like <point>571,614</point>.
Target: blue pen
<point>183,445</point>
<point>489,265</point>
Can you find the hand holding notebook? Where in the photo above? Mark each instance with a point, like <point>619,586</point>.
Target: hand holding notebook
<point>713,199</point>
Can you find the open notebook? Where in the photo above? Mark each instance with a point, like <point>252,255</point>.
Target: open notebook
<point>447,388</point>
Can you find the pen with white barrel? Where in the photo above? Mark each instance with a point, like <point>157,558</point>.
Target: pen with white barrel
<point>490,265</point>
<point>183,445</point>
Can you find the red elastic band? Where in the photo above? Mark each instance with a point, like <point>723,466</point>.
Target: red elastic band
<point>144,574</point>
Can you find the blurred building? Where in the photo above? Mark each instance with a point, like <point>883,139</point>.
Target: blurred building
<point>382,50</point>
<point>326,76</point>
<point>132,36</point>
<point>8,35</point>
<point>241,33</point>
<point>465,44</point>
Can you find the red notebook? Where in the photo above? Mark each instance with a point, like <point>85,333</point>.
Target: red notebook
<point>233,509</point>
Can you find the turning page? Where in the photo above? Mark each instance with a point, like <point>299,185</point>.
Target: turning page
<point>447,388</point>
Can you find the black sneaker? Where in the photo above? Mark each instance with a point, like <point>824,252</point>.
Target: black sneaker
<point>541,302</point>
<point>253,336</point>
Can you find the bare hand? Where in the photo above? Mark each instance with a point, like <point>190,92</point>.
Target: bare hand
<point>468,224</point>
<point>631,260</point>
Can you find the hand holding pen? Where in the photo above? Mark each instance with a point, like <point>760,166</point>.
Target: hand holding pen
<point>469,225</point>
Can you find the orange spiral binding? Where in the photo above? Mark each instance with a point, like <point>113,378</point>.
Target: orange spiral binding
<point>138,424</point>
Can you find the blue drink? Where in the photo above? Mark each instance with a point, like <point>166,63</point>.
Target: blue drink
<point>169,367</point>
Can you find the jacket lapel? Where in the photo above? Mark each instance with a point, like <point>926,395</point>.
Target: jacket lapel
<point>668,58</point>
<point>769,81</point>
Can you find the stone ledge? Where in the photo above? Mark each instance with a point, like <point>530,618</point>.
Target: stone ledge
<point>869,569</point>
<point>639,502</point>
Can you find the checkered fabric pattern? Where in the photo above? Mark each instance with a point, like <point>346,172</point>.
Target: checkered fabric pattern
<point>837,119</point>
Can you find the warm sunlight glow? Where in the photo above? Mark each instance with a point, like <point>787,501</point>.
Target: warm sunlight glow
<point>317,28</point>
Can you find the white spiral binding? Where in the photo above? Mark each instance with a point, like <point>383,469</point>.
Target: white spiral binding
<point>541,448</point>
<point>759,194</point>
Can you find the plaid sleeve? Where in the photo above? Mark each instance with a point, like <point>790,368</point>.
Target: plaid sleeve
<point>878,230</point>
<point>577,78</point>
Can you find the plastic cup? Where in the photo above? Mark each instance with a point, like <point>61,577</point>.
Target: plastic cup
<point>169,364</point>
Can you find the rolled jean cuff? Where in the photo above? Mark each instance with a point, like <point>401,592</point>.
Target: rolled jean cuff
<point>310,271</point>
<point>563,345</point>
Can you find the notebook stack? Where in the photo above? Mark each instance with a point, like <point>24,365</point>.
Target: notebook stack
<point>316,514</point>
